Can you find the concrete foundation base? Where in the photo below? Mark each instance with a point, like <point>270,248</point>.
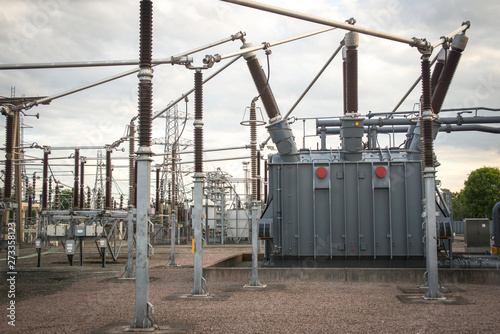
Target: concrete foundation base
<point>121,328</point>
<point>228,272</point>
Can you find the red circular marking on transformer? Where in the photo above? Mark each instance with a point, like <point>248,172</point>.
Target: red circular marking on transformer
<point>321,172</point>
<point>380,171</point>
<point>352,250</point>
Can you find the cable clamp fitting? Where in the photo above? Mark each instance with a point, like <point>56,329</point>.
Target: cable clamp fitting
<point>267,48</point>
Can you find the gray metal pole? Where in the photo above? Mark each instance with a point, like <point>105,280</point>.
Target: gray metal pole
<point>172,240</point>
<point>142,257</point>
<point>198,251</point>
<point>198,185</point>
<point>130,243</point>
<point>144,153</point>
<point>222,213</point>
<point>430,234</point>
<point>255,249</point>
<point>332,23</point>
<point>94,63</point>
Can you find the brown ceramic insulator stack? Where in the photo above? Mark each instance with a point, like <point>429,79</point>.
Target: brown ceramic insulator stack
<point>145,87</point>
<point>76,186</point>
<point>99,200</point>
<point>9,144</point>
<point>351,80</point>
<point>26,186</point>
<point>258,176</point>
<point>441,89</point>
<point>57,203</point>
<point>33,194</point>
<point>89,197</point>
<point>174,178</point>
<point>49,195</point>
<point>45,179</point>
<point>131,167</point>
<point>253,146</point>
<point>82,184</point>
<point>262,84</point>
<point>198,116</point>
<point>157,206</point>
<point>438,69</point>
<point>427,136</point>
<point>109,179</point>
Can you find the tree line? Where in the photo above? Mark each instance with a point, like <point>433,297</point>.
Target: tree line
<point>480,193</point>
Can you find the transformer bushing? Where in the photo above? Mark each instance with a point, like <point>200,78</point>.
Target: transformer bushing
<point>458,45</point>
<point>279,130</point>
<point>438,68</point>
<point>351,72</point>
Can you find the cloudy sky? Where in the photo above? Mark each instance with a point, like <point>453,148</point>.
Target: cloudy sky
<point>40,31</point>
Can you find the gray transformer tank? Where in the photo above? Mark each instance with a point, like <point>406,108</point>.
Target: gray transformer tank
<point>326,205</point>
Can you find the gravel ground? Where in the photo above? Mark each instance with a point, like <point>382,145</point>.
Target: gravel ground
<point>57,298</point>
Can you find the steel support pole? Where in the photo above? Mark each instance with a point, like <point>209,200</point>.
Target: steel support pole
<point>130,243</point>
<point>198,186</point>
<point>197,230</point>
<point>82,183</point>
<point>142,319</point>
<point>254,282</point>
<point>172,239</point>
<point>430,234</point>
<point>222,213</point>
<point>142,315</point>
<point>18,181</point>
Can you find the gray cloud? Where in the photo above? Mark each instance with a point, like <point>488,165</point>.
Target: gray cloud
<point>61,30</point>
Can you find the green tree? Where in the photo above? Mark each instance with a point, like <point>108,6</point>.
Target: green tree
<point>480,194</point>
<point>459,206</point>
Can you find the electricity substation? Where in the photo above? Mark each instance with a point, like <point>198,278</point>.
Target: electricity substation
<point>359,204</point>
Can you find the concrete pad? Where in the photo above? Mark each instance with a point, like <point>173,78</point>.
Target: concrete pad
<point>419,299</point>
<point>205,297</point>
<point>418,289</point>
<point>256,287</point>
<point>172,267</point>
<point>123,280</point>
<point>245,288</point>
<point>115,328</point>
